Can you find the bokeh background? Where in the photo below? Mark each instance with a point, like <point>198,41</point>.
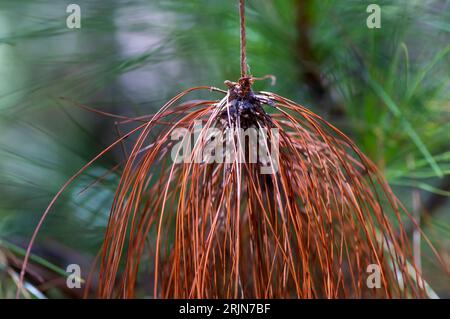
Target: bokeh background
<point>387,88</point>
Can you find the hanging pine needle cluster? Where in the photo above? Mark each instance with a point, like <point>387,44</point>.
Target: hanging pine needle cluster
<point>305,223</point>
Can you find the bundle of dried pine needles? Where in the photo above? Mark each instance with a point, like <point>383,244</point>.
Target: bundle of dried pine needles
<point>307,228</point>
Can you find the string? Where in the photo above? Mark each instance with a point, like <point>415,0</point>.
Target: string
<point>244,71</point>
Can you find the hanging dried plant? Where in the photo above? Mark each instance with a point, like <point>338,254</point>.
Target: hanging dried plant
<point>306,219</point>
